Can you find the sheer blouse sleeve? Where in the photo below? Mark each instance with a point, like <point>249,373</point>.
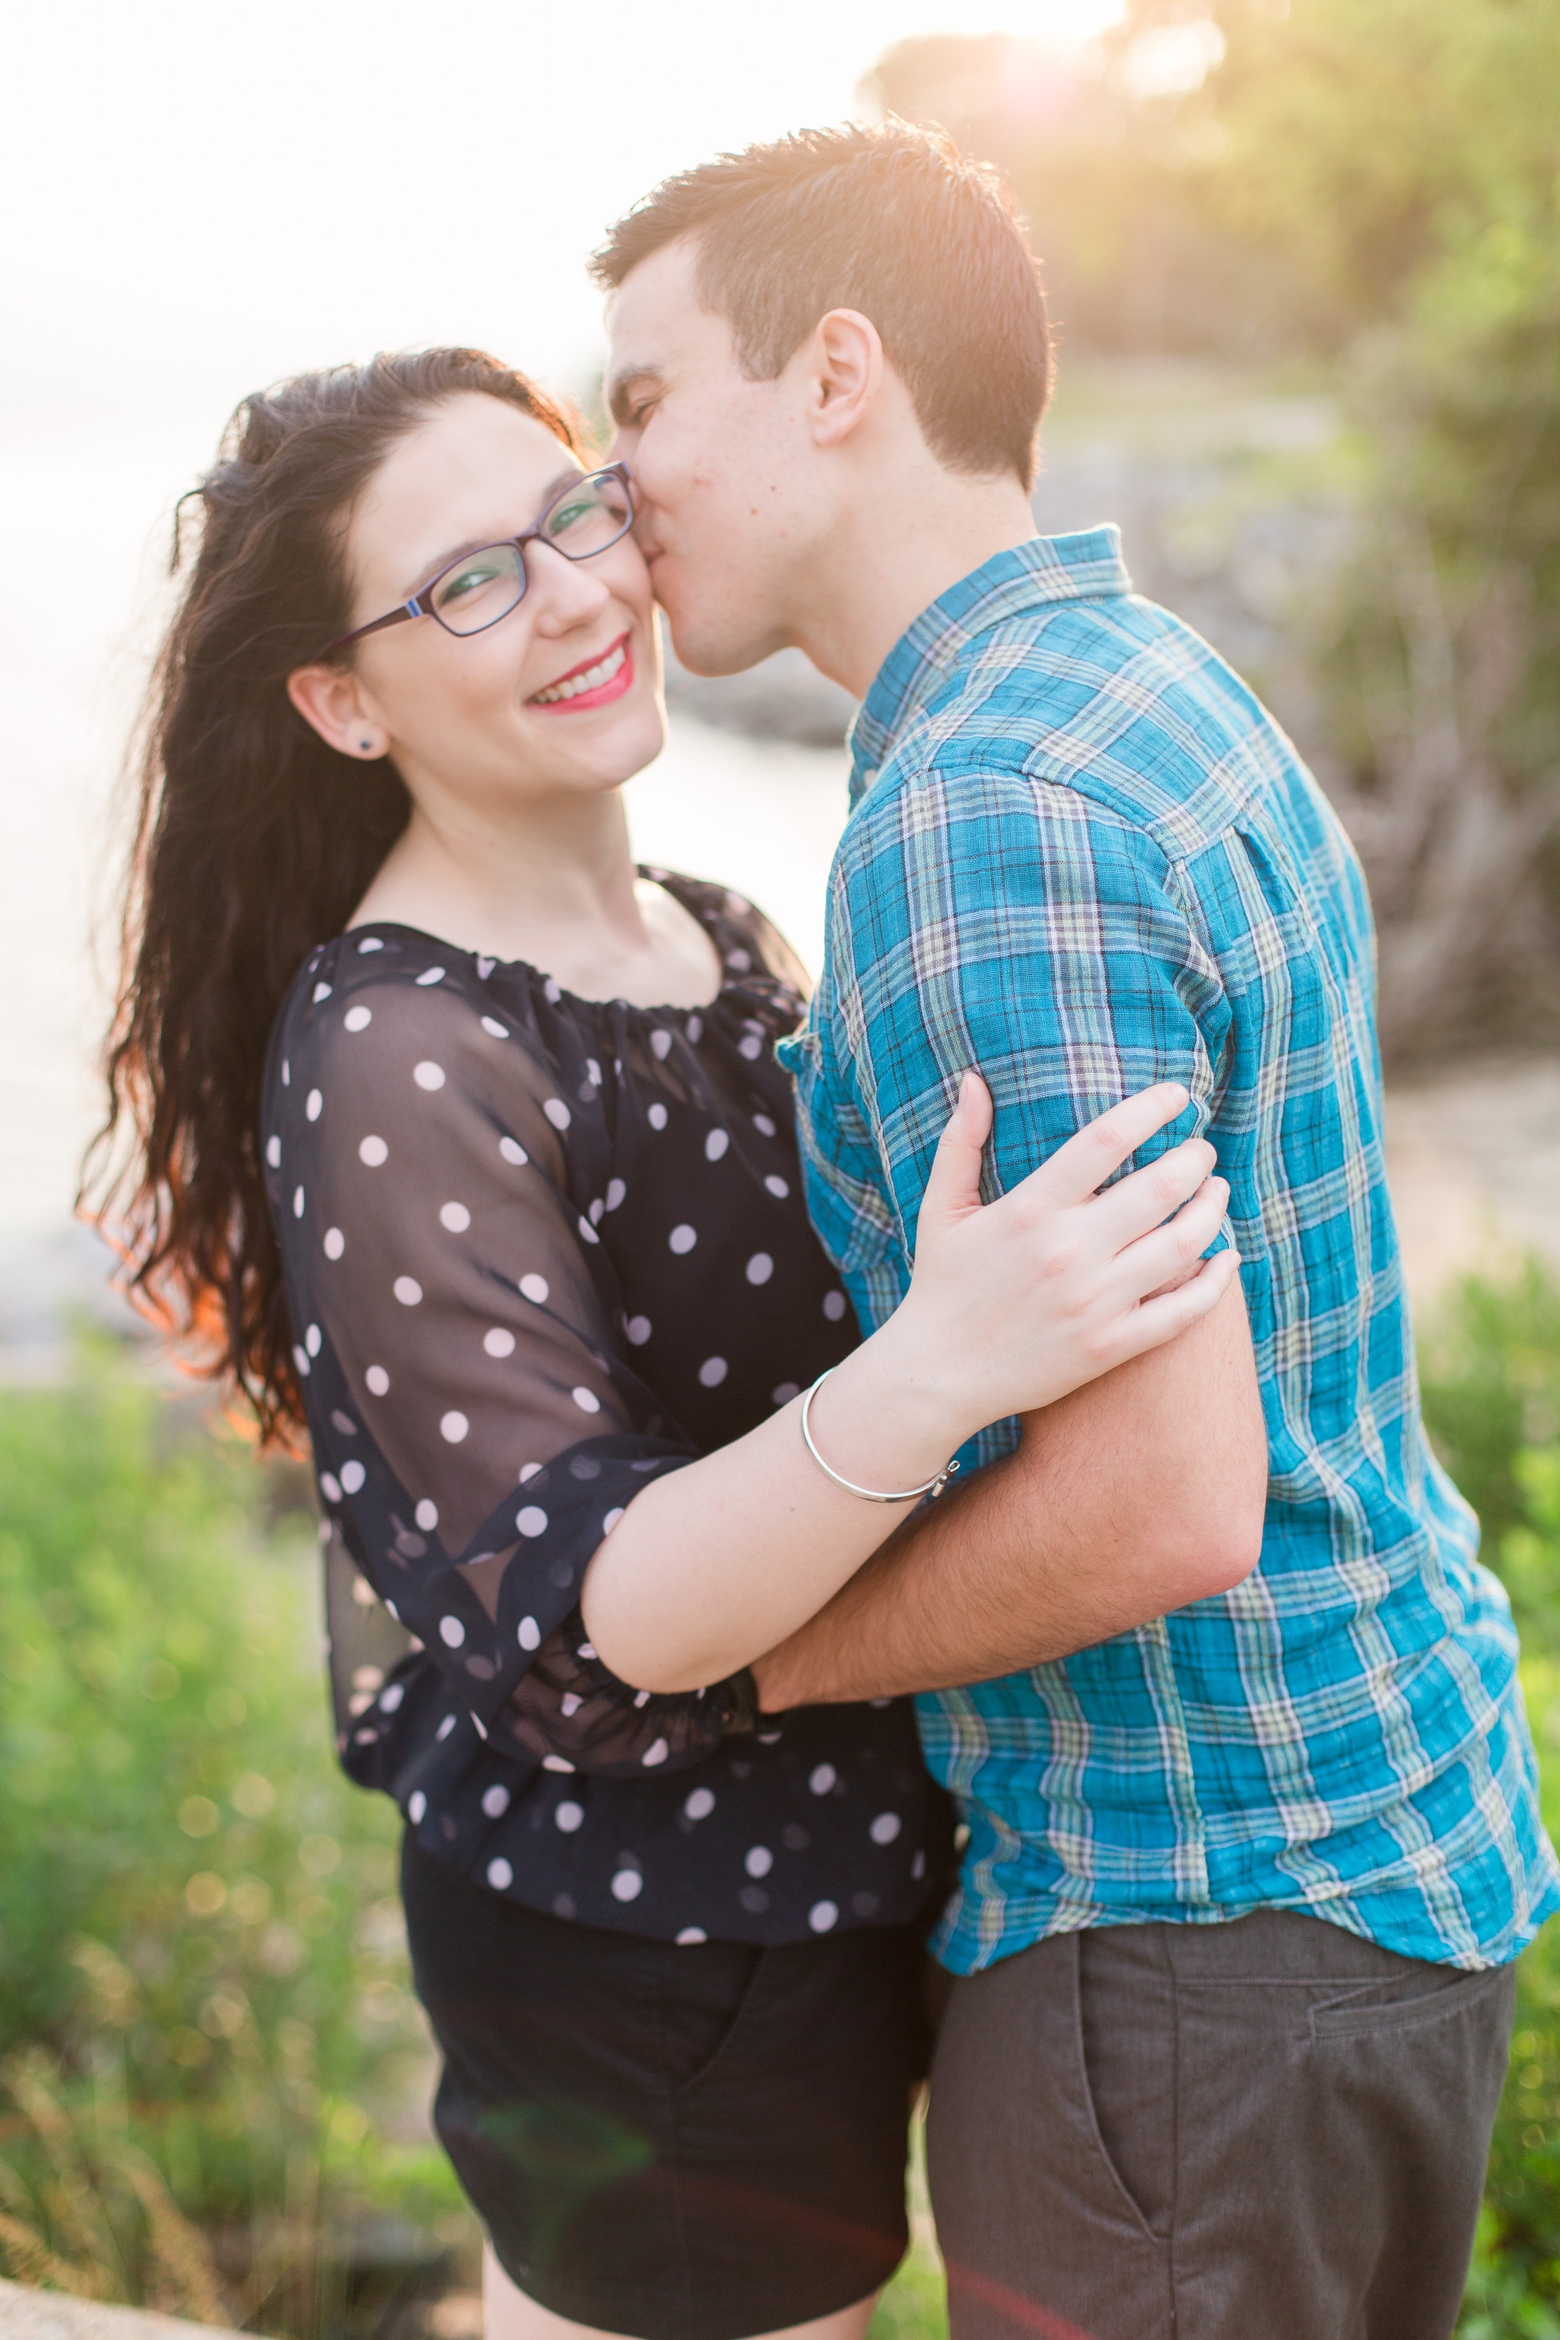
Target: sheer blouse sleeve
<point>475,1434</point>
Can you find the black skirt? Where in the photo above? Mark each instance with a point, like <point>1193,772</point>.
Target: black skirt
<point>678,2142</point>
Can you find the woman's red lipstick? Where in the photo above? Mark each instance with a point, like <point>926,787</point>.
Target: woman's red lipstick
<point>616,667</point>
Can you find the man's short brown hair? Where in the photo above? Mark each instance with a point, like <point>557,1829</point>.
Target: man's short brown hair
<point>894,222</point>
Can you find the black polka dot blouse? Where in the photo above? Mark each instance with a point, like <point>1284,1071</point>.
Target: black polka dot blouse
<point>538,1251</point>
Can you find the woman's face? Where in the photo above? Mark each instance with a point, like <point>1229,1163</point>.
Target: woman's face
<point>470,717</point>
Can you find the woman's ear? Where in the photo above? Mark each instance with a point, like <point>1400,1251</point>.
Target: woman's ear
<point>846,367</point>
<point>332,701</point>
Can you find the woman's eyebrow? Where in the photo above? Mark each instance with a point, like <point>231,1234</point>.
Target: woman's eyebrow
<point>430,569</point>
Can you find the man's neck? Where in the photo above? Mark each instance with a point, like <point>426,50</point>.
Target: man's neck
<point>892,557</point>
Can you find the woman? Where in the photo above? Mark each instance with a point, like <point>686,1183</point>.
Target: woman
<point>507,1214</point>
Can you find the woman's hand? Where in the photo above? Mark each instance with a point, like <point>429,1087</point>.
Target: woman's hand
<point>1014,1303</point>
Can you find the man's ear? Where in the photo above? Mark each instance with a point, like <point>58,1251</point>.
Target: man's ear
<point>333,701</point>
<point>845,372</point>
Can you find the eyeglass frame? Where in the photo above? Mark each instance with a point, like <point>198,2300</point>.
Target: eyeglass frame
<point>413,607</point>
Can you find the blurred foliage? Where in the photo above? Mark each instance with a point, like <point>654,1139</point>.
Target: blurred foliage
<point>204,2018</point>
<point>1372,188</point>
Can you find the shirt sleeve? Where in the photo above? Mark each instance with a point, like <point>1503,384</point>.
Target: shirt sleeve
<point>999,921</point>
<point>457,1305</point>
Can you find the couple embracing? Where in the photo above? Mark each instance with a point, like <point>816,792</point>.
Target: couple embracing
<point>639,1312</point>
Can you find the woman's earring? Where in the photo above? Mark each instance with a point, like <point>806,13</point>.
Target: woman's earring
<point>365,745</point>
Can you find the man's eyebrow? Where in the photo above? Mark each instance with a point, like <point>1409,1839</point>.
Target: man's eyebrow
<point>625,381</point>
<point>430,569</point>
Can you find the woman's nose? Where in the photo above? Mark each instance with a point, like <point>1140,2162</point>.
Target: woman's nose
<point>564,591</point>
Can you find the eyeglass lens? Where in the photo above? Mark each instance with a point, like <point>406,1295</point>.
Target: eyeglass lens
<point>485,586</point>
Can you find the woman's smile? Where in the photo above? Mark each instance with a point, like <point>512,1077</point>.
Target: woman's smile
<point>592,683</point>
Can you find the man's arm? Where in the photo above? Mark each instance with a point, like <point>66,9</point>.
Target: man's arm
<point>1137,1495</point>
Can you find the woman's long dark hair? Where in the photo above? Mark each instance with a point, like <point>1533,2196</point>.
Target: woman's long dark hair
<point>254,842</point>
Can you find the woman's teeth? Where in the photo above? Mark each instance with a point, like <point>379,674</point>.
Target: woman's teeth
<point>591,680</point>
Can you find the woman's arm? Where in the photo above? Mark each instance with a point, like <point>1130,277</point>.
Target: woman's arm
<point>1011,1306</point>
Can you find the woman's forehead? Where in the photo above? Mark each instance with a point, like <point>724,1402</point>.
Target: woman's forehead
<point>475,467</point>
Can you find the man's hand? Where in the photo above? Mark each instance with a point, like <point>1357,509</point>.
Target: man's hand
<point>1138,1494</point>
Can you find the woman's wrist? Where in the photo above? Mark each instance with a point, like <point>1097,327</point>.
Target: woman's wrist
<point>887,1418</point>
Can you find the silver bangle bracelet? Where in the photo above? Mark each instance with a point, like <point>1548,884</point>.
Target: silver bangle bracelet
<point>934,1486</point>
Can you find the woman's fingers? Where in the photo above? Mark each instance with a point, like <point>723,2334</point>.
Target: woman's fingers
<point>1159,1320</point>
<point>953,1186</point>
<point>1162,1257</point>
<point>1080,1167</point>
<point>1147,1197</point>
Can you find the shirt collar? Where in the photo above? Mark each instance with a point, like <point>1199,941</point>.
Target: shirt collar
<point>1045,569</point>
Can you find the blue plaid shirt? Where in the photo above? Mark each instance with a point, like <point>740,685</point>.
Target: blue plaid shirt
<point>1083,858</point>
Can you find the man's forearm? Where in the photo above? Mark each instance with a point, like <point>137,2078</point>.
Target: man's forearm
<point>1135,1496</point>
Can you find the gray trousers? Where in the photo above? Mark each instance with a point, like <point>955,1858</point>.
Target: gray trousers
<point>1266,2130</point>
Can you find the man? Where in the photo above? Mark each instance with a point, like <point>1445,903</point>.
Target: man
<point>1231,1947</point>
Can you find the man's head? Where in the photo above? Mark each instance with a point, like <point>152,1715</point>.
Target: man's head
<point>800,332</point>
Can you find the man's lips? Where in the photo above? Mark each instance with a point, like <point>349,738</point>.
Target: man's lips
<point>590,684</point>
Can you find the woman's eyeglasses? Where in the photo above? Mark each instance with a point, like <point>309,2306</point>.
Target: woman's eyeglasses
<point>473,593</point>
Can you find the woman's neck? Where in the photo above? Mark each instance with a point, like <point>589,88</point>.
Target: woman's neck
<point>557,888</point>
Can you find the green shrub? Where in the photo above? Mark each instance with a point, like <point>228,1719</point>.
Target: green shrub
<point>204,2015</point>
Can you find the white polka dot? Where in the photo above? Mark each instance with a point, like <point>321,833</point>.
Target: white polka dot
<point>297,1202</point>
<point>885,1828</point>
<point>301,1359</point>
<point>834,1306</point>
<point>655,1753</point>
<point>693,1934</point>
<point>391,1697</point>
<point>556,1763</point>
<point>500,1342</point>
<point>417,1804</point>
<point>427,1516</point>
<point>594,1070</point>
<point>627,1885</point>
<point>321,991</point>
<point>752,1047</point>
<point>377,1380</point>
<point>661,1044</point>
<point>568,1817</point>
<point>330,1487</point>
<point>611,1520</point>
<point>764,1126</point>
<point>314,1340</point>
<point>682,1239</point>
<point>453,1426</point>
<point>370,942</point>
<point>552,991</point>
<point>430,975</point>
<point>528,1472</point>
<point>918,1867</point>
<point>777,1187</point>
<point>273,1152</point>
<point>495,1802</point>
<point>699,1804</point>
<point>451,1632</point>
<point>570,1704</point>
<point>494,1029</point>
<point>534,1288</point>
<point>713,1372</point>
<point>739,961</point>
<point>557,1112</point>
<point>445,1728</point>
<point>353,1476</point>
<point>407,1290</point>
<point>335,1243</point>
<point>528,1633</point>
<point>428,1075</point>
<point>455,1217</point>
<point>759,1861</point>
<point>588,1232</point>
<point>532,1521</point>
<point>373,1151</point>
<point>358,1019</point>
<point>759,1268</point>
<point>822,1916</point>
<point>821,1778</point>
<point>586,1400</point>
<point>597,1211</point>
<point>616,1190</point>
<point>313,1105</point>
<point>717,1143</point>
<point>500,1875</point>
<point>513,1151</point>
<point>286,1073</point>
<point>485,966</point>
<point>656,1116</point>
<point>638,1329</point>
